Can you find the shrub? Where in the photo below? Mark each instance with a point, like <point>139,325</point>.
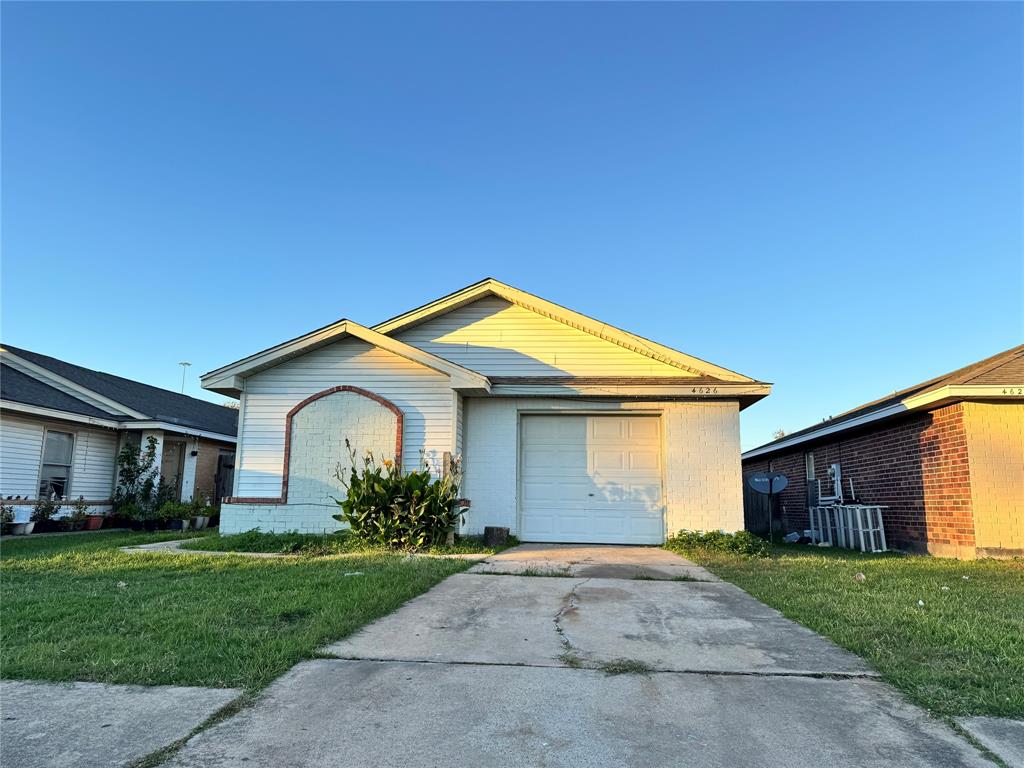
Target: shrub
<point>136,479</point>
<point>396,509</point>
<point>175,510</point>
<point>79,510</point>
<point>45,509</point>
<point>6,513</point>
<point>739,543</point>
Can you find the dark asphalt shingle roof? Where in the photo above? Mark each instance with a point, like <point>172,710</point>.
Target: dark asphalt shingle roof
<point>158,404</point>
<point>1004,368</point>
<point>22,388</point>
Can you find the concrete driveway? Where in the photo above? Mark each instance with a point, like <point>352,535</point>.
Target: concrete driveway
<point>582,670</point>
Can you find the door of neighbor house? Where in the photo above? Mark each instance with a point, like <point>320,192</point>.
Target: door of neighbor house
<point>224,480</point>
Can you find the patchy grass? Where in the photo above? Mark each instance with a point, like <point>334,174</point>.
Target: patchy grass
<point>77,608</point>
<point>570,659</point>
<point>319,545</point>
<point>625,667</point>
<point>961,652</point>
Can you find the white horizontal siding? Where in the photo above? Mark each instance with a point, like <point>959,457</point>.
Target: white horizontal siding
<point>498,338</point>
<point>21,449</point>
<point>92,474</point>
<point>21,446</point>
<point>423,395</point>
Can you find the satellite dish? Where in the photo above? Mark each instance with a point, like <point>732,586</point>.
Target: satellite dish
<point>768,484</point>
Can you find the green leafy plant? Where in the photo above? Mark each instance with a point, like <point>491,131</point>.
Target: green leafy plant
<point>137,480</point>
<point>45,509</point>
<point>6,513</point>
<point>739,543</point>
<point>79,510</point>
<point>401,510</point>
<point>175,510</point>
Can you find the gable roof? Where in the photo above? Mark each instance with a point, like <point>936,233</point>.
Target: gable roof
<point>1003,369</point>
<point>139,401</point>
<point>19,387</point>
<point>491,287</point>
<point>228,379</point>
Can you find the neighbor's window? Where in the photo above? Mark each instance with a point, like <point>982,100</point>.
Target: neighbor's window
<point>55,477</point>
<point>809,462</point>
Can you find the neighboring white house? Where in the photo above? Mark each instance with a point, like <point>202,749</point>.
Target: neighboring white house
<point>62,425</point>
<point>570,430</point>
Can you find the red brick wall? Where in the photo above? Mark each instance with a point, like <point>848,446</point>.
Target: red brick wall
<point>916,466</point>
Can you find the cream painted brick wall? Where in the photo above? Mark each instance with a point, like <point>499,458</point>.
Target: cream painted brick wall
<point>703,477</point>
<point>995,451</point>
<point>317,449</point>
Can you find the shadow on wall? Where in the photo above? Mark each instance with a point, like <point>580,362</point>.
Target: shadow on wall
<point>917,468</point>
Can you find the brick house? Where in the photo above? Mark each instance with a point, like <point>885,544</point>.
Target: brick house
<point>570,430</point>
<point>945,456</point>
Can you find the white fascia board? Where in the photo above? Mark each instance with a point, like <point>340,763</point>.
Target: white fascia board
<point>932,398</point>
<point>230,379</point>
<point>180,429</point>
<point>654,391</point>
<point>47,376</point>
<point>80,418</point>
<point>53,413</point>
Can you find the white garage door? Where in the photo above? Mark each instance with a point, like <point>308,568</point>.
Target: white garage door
<point>591,479</point>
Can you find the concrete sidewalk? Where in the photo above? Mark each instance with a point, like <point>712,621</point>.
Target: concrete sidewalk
<point>92,725</point>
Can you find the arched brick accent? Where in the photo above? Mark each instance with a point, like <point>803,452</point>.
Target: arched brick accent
<point>283,498</point>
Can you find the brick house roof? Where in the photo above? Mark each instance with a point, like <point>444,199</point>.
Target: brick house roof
<point>1006,367</point>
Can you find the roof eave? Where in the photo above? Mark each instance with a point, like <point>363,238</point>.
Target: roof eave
<point>926,401</point>
<point>230,379</point>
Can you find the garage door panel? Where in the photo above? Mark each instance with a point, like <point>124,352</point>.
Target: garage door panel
<point>591,479</point>
<point>644,460</point>
<point>643,429</point>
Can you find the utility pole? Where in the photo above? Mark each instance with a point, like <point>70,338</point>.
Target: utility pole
<point>184,367</point>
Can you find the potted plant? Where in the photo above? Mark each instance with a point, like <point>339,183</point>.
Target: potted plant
<point>93,520</point>
<point>79,514</point>
<point>43,511</point>
<point>176,514</point>
<point>200,512</point>
<point>6,517</point>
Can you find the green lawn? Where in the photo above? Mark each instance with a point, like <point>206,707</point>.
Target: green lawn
<point>76,608</point>
<point>960,653</point>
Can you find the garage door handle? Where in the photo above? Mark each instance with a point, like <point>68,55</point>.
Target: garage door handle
<point>590,494</point>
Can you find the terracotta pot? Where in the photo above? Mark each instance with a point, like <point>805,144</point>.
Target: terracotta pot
<point>93,522</point>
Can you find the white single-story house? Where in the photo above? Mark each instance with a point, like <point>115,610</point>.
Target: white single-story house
<point>62,425</point>
<point>569,430</point>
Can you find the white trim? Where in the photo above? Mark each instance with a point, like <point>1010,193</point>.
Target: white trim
<point>225,380</point>
<point>128,426</point>
<point>177,429</point>
<point>42,374</point>
<point>53,413</point>
<point>951,392</point>
<point>654,391</point>
<point>71,466</point>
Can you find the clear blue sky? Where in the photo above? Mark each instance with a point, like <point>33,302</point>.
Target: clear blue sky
<point>826,196</point>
